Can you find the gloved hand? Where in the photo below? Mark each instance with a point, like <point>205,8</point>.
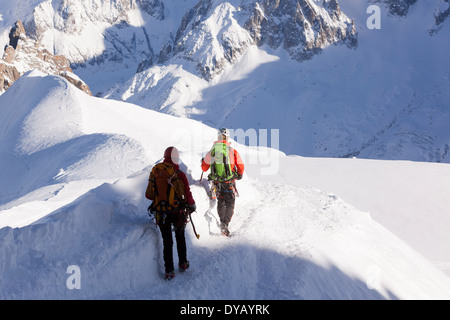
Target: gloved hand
<point>192,208</point>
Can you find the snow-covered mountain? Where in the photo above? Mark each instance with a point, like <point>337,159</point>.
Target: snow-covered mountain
<point>207,33</point>
<point>74,222</point>
<point>215,34</point>
<point>343,89</point>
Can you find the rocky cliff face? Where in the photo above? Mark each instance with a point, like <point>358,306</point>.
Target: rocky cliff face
<point>442,14</point>
<point>23,54</point>
<point>213,36</point>
<point>8,74</point>
<point>302,27</point>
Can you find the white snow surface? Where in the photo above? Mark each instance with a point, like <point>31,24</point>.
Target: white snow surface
<point>72,194</point>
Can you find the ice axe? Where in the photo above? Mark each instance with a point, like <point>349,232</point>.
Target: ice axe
<point>193,227</point>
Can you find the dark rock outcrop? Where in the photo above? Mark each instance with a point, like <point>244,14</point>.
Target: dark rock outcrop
<point>396,7</point>
<point>23,54</point>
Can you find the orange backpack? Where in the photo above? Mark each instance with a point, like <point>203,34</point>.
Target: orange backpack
<point>165,189</point>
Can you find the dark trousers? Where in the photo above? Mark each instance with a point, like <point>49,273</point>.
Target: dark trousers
<point>225,206</point>
<point>166,232</point>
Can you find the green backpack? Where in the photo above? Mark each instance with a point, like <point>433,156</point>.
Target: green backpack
<point>220,163</point>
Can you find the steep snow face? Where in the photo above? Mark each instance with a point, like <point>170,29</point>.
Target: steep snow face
<point>214,41</point>
<point>23,115</point>
<point>44,133</point>
<point>50,132</point>
<point>167,88</point>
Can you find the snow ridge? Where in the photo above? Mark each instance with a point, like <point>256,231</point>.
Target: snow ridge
<point>290,242</point>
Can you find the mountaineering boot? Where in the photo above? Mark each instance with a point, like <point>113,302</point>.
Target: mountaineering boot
<point>183,266</point>
<point>169,276</point>
<point>225,231</point>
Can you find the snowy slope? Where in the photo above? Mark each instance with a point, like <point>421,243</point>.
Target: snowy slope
<point>410,201</point>
<point>74,131</point>
<point>84,179</point>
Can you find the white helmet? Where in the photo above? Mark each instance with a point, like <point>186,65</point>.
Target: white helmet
<point>224,132</point>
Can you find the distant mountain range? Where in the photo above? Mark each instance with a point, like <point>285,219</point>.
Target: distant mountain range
<point>311,69</point>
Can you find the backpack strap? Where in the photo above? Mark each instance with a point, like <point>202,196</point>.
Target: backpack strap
<point>226,161</point>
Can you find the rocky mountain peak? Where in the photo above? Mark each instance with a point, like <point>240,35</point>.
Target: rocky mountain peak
<point>17,31</point>
<point>302,27</point>
<point>22,54</point>
<point>208,34</point>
